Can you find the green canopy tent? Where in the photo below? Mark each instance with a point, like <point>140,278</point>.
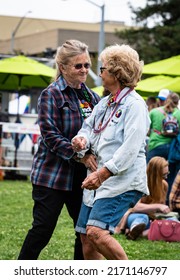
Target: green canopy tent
<point>20,72</point>
<point>169,66</point>
<point>152,85</point>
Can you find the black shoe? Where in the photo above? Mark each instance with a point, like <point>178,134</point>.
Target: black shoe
<point>136,231</point>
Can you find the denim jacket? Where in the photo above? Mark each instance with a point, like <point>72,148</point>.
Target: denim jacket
<point>121,145</point>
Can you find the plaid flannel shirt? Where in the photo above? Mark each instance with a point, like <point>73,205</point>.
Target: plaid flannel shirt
<point>59,119</point>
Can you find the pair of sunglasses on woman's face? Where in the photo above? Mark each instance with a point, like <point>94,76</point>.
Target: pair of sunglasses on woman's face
<point>102,69</point>
<point>79,66</point>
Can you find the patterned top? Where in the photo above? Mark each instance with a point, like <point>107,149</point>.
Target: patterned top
<point>59,118</point>
<point>174,197</point>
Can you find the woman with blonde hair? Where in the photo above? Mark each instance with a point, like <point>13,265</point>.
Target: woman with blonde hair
<point>143,212</point>
<point>157,172</point>
<point>57,173</point>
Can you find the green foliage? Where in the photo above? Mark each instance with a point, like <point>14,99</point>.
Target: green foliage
<point>16,218</point>
<point>165,10</point>
<point>160,41</point>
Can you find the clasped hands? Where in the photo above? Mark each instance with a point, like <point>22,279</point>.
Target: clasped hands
<point>92,181</point>
<point>97,177</point>
<point>78,143</point>
<point>89,160</point>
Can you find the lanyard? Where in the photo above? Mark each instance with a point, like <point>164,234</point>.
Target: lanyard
<point>102,127</point>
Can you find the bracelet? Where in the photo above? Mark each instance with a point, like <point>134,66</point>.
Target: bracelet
<point>99,177</point>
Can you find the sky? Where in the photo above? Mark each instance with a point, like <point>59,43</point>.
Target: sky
<point>71,10</point>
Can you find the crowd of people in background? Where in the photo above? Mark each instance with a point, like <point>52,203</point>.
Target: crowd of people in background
<point>164,145</point>
<point>159,143</point>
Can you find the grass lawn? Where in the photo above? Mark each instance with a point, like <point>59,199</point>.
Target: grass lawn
<point>16,217</point>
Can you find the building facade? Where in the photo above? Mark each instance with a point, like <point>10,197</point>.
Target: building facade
<point>38,37</point>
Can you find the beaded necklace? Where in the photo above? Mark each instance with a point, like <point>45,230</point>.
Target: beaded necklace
<point>84,102</point>
<point>102,127</point>
<point>112,99</point>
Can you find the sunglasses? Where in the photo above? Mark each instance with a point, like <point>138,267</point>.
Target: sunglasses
<point>79,66</point>
<point>102,69</point>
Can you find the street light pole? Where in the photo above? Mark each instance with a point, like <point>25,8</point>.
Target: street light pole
<point>15,31</point>
<point>101,38</point>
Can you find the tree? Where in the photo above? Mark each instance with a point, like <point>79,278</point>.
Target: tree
<point>157,32</point>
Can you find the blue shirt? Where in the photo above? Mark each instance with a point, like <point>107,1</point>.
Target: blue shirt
<point>59,119</point>
<point>121,145</point>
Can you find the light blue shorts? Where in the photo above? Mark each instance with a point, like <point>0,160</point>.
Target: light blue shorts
<point>106,212</point>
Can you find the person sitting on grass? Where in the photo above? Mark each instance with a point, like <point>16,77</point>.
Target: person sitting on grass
<point>137,219</point>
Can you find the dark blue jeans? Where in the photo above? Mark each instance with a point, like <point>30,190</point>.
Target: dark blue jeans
<point>163,151</point>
